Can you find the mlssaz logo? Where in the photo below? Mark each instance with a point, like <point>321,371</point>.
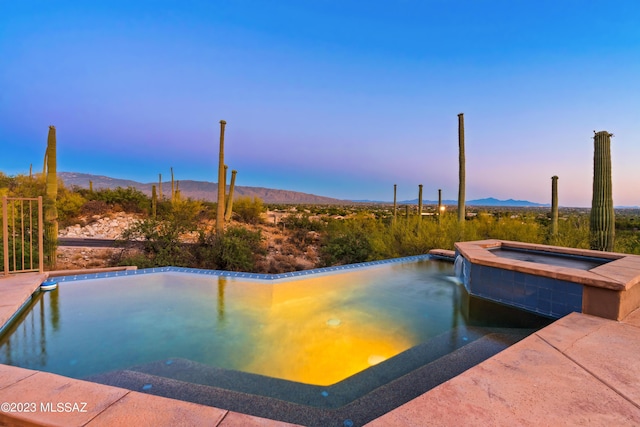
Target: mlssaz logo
<point>63,407</point>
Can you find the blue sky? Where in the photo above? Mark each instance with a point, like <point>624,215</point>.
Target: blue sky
<point>337,98</point>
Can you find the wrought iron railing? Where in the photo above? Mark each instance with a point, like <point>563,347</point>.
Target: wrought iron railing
<point>22,235</point>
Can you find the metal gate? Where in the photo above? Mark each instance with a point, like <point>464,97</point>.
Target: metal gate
<point>22,235</point>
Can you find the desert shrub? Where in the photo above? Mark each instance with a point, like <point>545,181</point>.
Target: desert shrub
<point>163,208</point>
<point>503,226</point>
<point>303,222</point>
<point>127,199</point>
<point>27,186</point>
<point>69,206</point>
<point>5,180</point>
<point>248,210</point>
<point>159,241</point>
<point>351,241</point>
<point>94,207</point>
<point>279,264</point>
<point>184,214</point>
<point>237,249</point>
<point>627,220</point>
<point>627,242</point>
<point>303,231</point>
<point>208,210</point>
<point>573,232</point>
<point>347,247</point>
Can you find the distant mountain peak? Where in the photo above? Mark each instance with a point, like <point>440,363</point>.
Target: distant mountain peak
<point>197,190</point>
<point>488,201</point>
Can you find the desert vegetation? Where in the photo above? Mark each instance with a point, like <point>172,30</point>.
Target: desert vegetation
<point>272,238</point>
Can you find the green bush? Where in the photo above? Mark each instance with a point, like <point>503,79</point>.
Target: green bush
<point>69,206</point>
<point>506,227</point>
<point>353,240</point>
<point>236,249</point>
<point>94,207</point>
<point>573,232</point>
<point>127,199</point>
<point>160,243</point>
<point>248,210</point>
<point>628,242</point>
<point>303,222</point>
<point>183,215</point>
<point>160,239</point>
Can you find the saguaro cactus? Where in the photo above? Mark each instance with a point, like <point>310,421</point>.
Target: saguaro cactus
<point>229,209</point>
<point>439,203</point>
<point>461,169</point>
<point>224,184</point>
<point>420,201</point>
<point>221,179</point>
<point>554,205</point>
<point>154,201</point>
<point>160,186</point>
<point>51,196</point>
<point>173,187</point>
<point>602,224</point>
<point>395,203</point>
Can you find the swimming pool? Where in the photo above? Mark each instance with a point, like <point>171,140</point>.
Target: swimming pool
<point>330,341</point>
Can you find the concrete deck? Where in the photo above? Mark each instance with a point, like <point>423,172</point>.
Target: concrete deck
<point>581,370</point>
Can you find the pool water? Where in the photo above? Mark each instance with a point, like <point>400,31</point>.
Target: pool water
<point>316,330</point>
<point>550,258</point>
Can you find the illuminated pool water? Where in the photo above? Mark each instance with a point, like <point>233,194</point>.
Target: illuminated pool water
<point>323,330</point>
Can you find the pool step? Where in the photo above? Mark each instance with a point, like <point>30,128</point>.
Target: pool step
<point>333,396</point>
<point>301,403</point>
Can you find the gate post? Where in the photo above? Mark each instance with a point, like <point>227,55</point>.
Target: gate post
<point>5,235</point>
<point>40,237</point>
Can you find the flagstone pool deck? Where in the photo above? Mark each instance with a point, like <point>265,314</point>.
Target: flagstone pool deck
<point>580,370</point>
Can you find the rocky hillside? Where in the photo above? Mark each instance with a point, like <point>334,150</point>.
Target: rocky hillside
<point>101,227</point>
<point>286,250</point>
<point>197,190</point>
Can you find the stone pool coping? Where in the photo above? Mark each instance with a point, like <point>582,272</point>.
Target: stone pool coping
<point>273,278</point>
<point>564,374</point>
<point>621,273</point>
<point>611,290</point>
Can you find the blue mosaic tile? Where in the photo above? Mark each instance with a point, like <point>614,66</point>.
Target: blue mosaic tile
<point>544,306</point>
<point>544,295</point>
<point>559,308</point>
<point>531,298</point>
<point>255,276</point>
<point>574,301</point>
<point>507,276</point>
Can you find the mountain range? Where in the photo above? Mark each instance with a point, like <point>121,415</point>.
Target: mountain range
<point>489,201</point>
<point>208,191</point>
<point>197,190</point>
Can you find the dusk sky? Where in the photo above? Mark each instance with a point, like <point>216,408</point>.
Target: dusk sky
<point>337,98</point>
